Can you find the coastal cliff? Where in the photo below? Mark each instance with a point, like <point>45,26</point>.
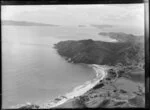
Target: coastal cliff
<point>129,50</point>
<point>120,73</point>
<point>124,83</point>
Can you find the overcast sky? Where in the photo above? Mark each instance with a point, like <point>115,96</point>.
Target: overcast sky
<point>123,14</point>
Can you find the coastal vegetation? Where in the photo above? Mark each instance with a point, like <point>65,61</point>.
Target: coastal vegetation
<point>129,50</point>
<point>124,83</point>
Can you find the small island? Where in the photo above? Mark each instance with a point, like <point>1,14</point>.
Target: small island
<point>104,26</point>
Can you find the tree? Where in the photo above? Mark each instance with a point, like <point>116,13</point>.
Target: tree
<point>80,102</point>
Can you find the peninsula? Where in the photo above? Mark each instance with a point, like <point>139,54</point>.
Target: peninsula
<point>123,86</point>
<point>25,23</point>
<point>119,68</point>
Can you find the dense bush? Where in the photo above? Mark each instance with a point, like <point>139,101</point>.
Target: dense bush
<point>80,102</point>
<point>128,51</point>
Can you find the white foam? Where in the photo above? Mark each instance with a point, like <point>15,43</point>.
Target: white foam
<point>80,90</point>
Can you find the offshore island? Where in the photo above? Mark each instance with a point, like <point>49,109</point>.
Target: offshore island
<point>119,68</point>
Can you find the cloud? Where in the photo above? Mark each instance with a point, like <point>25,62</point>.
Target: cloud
<point>122,14</point>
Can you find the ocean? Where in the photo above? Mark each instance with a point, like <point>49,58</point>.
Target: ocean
<point>33,71</point>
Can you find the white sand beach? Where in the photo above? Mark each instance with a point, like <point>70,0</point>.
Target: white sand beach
<point>79,90</point>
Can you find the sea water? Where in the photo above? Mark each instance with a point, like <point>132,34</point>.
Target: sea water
<point>32,70</point>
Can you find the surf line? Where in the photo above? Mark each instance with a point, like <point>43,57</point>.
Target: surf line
<point>101,73</point>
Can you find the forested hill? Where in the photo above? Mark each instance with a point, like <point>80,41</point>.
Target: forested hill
<point>129,50</point>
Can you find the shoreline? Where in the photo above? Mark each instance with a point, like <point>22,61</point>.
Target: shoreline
<point>79,90</point>
<point>101,73</point>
